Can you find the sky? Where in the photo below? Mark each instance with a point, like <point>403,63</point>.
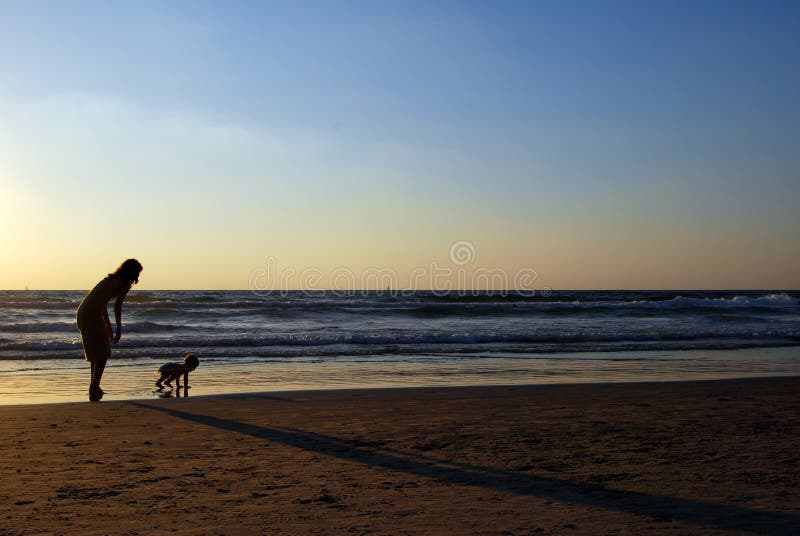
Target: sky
<point>598,145</point>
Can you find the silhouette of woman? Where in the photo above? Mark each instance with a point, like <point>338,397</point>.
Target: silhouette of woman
<point>93,320</point>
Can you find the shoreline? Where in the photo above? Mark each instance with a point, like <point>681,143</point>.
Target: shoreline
<point>690,457</point>
<point>23,383</point>
<point>342,391</point>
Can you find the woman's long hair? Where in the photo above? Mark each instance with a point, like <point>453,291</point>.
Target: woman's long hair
<point>128,270</point>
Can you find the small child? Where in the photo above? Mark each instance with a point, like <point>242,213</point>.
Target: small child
<point>174,371</point>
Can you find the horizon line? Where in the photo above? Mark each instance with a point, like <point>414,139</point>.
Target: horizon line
<point>498,291</point>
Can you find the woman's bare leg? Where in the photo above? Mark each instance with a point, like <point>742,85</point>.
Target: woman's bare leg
<point>97,374</point>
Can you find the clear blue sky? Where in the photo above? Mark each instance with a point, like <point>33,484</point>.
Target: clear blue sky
<point>604,144</point>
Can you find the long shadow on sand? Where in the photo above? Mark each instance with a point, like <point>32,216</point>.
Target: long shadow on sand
<point>723,516</point>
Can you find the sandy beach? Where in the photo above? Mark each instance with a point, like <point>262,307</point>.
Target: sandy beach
<point>712,457</point>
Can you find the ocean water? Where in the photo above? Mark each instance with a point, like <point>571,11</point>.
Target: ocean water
<point>250,341</point>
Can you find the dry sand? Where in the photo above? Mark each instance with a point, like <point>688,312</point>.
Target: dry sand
<point>690,457</point>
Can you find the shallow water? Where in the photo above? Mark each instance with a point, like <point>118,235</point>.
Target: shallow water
<point>322,340</point>
<point>67,380</point>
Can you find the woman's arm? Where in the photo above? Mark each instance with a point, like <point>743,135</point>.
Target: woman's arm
<point>118,312</point>
<point>107,324</point>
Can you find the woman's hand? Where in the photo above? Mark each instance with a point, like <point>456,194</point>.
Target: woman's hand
<point>116,338</point>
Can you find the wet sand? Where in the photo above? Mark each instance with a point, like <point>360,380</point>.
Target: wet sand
<point>713,457</point>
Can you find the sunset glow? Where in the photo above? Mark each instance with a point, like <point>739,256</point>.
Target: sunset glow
<point>616,147</point>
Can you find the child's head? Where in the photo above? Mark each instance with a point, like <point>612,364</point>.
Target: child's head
<point>191,361</point>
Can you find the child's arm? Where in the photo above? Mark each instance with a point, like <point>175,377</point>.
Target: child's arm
<point>177,380</point>
<point>186,379</point>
